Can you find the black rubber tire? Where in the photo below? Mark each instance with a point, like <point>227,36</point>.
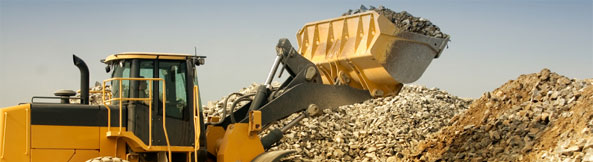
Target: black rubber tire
<point>106,159</point>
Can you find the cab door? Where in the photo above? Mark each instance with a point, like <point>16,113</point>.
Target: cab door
<point>177,101</point>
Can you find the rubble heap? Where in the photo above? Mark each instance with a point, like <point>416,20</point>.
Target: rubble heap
<point>541,116</point>
<point>404,21</point>
<point>214,108</point>
<point>94,95</point>
<point>376,129</point>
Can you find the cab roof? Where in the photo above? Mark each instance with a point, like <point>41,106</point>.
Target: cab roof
<point>146,55</point>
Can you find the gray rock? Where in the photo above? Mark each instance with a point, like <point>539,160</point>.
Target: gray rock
<point>404,20</point>
<point>377,127</point>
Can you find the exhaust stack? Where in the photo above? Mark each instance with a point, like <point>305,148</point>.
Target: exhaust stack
<point>84,79</point>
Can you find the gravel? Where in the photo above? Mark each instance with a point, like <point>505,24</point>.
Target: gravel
<point>94,98</point>
<point>215,108</point>
<point>537,117</point>
<point>404,21</point>
<point>376,129</point>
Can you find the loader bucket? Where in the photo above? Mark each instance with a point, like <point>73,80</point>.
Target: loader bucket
<point>367,51</point>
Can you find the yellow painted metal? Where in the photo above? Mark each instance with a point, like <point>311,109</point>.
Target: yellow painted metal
<point>121,57</point>
<point>84,155</point>
<point>52,142</point>
<point>165,124</point>
<point>239,145</point>
<point>367,51</point>
<point>197,119</point>
<point>51,155</point>
<point>64,137</point>
<point>254,122</point>
<point>27,130</point>
<point>172,57</point>
<point>133,141</point>
<point>213,119</point>
<point>79,138</point>
<point>146,55</point>
<point>62,155</point>
<point>214,135</point>
<point>150,111</point>
<point>121,98</point>
<point>15,133</point>
<point>138,146</point>
<point>111,146</point>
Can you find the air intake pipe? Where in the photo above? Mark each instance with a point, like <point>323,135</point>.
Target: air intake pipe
<point>84,79</point>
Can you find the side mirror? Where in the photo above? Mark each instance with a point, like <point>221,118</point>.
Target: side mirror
<point>107,68</point>
<point>199,60</point>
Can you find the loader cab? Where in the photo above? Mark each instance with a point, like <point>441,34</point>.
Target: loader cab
<point>161,82</point>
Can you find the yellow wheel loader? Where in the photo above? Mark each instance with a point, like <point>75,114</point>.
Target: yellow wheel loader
<point>153,113</point>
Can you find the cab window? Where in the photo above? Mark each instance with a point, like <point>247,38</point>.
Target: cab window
<point>121,70</point>
<point>174,73</point>
<point>146,71</point>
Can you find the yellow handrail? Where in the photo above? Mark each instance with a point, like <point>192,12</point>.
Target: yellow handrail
<point>27,130</point>
<point>121,98</point>
<point>150,115</point>
<point>120,106</point>
<point>4,135</point>
<point>197,128</point>
<point>164,123</point>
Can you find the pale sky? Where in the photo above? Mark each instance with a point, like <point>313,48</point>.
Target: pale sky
<point>492,41</point>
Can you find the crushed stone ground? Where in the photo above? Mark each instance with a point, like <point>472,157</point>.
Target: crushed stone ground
<point>542,116</point>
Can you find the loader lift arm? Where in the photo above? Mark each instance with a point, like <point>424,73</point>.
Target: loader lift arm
<point>302,89</point>
<point>340,61</point>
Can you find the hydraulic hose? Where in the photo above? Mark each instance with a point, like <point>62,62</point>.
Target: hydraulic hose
<point>224,112</point>
<point>240,99</point>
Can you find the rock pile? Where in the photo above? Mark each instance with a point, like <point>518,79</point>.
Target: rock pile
<point>376,129</point>
<point>404,20</point>
<point>215,108</point>
<point>95,94</point>
<point>536,117</point>
<point>542,116</point>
